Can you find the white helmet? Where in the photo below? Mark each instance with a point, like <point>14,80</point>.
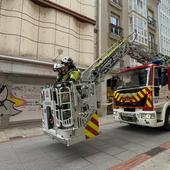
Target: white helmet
<point>66,60</point>
<point>57,66</point>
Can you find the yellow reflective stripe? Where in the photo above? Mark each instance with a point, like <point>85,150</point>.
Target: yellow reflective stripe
<point>133,100</point>
<point>119,98</point>
<point>117,95</point>
<point>148,103</point>
<point>150,88</point>
<point>140,94</point>
<point>150,98</point>
<point>136,97</point>
<point>92,125</point>
<point>144,90</point>
<point>88,133</point>
<point>95,116</point>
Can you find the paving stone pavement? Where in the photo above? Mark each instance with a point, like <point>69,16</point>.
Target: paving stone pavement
<point>116,143</point>
<point>160,161</point>
<point>19,132</point>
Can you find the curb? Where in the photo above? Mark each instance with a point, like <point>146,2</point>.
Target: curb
<point>137,160</point>
<point>14,138</point>
<point>17,138</point>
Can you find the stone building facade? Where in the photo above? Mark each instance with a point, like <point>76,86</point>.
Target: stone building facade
<point>34,34</point>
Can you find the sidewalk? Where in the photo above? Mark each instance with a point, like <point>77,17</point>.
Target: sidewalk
<point>155,159</point>
<point>35,130</point>
<point>19,132</point>
<point>160,161</point>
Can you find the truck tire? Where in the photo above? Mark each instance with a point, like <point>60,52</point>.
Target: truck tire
<point>167,120</point>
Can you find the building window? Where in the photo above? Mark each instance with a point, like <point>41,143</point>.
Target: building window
<point>151,20</point>
<point>130,5</point>
<point>115,25</point>
<point>114,20</point>
<point>140,25</point>
<point>140,3</point>
<point>151,41</point>
<point>139,6</point>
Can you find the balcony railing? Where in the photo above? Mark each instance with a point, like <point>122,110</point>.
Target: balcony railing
<point>116,30</point>
<point>152,45</point>
<point>151,22</point>
<point>118,2</point>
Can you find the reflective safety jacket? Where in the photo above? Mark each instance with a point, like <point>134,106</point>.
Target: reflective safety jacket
<point>75,75</point>
<point>70,76</point>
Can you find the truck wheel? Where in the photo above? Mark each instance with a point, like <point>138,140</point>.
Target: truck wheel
<point>167,120</point>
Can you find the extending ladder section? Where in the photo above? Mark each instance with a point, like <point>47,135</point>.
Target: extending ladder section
<point>144,55</point>
<point>109,59</point>
<point>114,54</point>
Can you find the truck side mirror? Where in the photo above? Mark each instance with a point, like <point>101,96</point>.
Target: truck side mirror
<point>169,78</point>
<point>114,81</point>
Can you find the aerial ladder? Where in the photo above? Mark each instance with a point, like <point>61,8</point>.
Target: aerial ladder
<point>69,110</point>
<point>108,60</point>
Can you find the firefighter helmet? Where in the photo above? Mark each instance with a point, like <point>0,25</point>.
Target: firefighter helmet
<point>57,66</point>
<point>67,60</point>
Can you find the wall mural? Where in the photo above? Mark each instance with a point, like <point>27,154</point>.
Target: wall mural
<point>8,103</point>
<point>20,98</point>
<point>30,95</point>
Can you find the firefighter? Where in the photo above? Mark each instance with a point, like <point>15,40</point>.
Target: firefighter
<point>74,73</point>
<point>62,72</point>
<point>68,62</point>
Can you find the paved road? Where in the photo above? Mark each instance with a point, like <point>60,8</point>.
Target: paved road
<point>117,143</point>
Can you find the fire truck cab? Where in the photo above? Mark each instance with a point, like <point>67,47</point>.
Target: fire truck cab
<point>142,95</point>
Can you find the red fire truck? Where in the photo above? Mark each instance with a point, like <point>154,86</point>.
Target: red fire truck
<point>142,95</point>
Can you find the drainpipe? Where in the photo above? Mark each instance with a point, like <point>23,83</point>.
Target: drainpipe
<point>99,26</point>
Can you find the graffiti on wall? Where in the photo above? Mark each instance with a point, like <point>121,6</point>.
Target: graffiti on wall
<point>8,103</point>
<point>20,98</point>
<point>28,93</point>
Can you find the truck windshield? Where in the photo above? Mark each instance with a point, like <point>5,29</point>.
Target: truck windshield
<point>132,78</point>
